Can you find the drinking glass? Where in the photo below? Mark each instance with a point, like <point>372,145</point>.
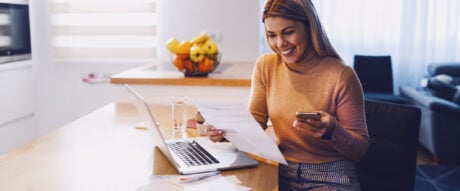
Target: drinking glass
<point>179,115</point>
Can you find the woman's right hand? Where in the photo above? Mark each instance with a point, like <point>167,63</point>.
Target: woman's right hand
<point>215,135</point>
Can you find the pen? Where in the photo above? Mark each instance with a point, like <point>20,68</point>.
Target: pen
<point>197,177</point>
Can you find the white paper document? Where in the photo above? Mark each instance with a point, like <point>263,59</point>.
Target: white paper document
<point>242,130</point>
<point>173,183</point>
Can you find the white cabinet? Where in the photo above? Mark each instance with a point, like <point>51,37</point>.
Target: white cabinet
<point>17,104</point>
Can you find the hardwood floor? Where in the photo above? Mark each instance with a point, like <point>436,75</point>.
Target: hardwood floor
<point>435,176</point>
<point>425,157</point>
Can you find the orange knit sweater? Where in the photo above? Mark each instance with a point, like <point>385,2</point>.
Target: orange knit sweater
<point>279,90</point>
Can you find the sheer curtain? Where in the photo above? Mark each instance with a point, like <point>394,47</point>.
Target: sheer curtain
<point>414,33</point>
<point>103,30</point>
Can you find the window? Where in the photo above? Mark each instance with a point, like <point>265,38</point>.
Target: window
<point>104,30</point>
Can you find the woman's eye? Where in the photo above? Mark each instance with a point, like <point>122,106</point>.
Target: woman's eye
<point>288,32</point>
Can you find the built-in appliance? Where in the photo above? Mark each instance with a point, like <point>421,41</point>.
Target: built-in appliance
<point>15,43</point>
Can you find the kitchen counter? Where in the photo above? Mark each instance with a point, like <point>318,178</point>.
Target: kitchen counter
<point>227,74</point>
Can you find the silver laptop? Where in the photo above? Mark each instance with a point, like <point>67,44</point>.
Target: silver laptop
<point>192,155</point>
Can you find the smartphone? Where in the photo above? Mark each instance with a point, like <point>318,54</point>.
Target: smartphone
<point>303,116</point>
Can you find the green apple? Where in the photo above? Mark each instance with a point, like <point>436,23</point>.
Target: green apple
<point>210,48</point>
<point>197,53</point>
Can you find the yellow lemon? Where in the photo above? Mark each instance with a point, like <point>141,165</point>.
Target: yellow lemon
<point>172,45</point>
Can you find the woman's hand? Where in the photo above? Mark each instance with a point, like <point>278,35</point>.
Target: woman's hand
<point>216,135</point>
<point>321,128</point>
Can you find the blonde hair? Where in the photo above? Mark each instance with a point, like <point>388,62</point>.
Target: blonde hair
<point>302,11</point>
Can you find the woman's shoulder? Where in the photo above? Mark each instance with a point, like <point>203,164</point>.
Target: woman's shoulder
<point>268,60</point>
<point>268,57</point>
<point>335,62</point>
<point>338,66</point>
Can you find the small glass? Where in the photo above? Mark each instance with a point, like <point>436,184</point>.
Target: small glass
<point>179,115</point>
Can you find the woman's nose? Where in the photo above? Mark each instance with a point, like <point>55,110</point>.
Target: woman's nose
<point>280,42</point>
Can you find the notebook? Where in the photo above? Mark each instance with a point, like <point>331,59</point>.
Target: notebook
<point>181,152</point>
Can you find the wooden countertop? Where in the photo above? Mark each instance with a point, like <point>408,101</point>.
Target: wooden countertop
<point>227,74</point>
<point>103,151</point>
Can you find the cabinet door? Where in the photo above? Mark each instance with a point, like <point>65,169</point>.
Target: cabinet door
<point>17,104</point>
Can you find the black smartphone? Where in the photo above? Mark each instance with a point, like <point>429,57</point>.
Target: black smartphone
<point>303,116</point>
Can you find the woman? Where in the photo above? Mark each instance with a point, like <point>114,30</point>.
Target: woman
<point>305,73</point>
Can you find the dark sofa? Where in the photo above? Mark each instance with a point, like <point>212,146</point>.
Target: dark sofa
<point>439,100</point>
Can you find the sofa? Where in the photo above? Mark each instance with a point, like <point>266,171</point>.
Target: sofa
<point>438,97</point>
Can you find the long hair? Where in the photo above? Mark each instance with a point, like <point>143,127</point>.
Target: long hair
<point>302,11</point>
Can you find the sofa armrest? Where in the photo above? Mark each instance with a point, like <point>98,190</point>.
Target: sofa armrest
<point>431,102</point>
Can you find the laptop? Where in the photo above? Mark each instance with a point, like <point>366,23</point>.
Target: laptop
<point>191,155</point>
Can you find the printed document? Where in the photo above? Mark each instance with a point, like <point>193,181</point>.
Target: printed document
<point>242,130</point>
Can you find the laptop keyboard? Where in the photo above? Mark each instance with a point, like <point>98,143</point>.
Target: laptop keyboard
<point>192,153</point>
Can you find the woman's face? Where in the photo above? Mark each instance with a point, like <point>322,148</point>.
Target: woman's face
<point>286,37</point>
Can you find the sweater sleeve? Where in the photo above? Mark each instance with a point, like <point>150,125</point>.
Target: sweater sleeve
<point>257,98</point>
<point>350,136</point>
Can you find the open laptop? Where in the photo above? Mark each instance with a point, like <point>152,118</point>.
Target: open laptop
<point>181,152</point>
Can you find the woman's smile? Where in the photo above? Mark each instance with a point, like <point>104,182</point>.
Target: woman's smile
<point>287,52</point>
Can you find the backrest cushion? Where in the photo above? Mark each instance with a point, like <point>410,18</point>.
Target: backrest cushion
<point>375,73</point>
<point>451,69</point>
<point>440,86</point>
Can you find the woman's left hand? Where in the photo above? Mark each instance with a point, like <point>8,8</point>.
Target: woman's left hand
<point>317,128</point>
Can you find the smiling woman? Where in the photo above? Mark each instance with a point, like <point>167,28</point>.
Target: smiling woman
<point>104,30</point>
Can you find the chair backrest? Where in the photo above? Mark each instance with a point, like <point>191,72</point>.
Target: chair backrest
<point>375,73</point>
<point>390,162</point>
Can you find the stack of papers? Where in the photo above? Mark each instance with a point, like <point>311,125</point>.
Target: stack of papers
<point>174,183</point>
<point>242,130</point>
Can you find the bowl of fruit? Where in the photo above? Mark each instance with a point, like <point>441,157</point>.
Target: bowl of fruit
<point>195,58</point>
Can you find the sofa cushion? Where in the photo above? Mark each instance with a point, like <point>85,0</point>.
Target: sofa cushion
<point>456,98</point>
<point>440,86</point>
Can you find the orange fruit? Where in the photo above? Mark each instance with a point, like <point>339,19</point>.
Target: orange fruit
<point>206,65</point>
<point>183,49</point>
<point>178,63</point>
<point>188,65</point>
